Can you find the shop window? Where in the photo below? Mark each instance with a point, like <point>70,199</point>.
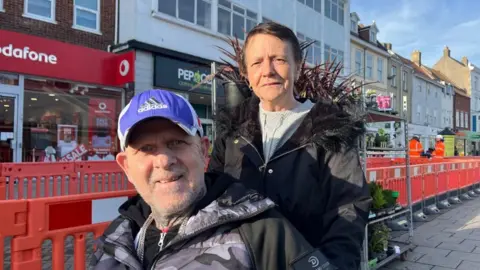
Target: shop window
<point>40,9</point>
<point>194,11</point>
<point>9,79</point>
<point>65,122</point>
<point>87,14</point>
<point>1,5</point>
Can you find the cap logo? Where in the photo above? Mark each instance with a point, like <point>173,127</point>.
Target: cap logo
<point>152,104</point>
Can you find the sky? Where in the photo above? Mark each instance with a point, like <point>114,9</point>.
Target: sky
<point>425,25</point>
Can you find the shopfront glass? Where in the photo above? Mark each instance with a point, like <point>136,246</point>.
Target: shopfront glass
<point>65,122</point>
<point>9,92</point>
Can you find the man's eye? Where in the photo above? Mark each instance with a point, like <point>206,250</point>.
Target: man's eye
<point>176,143</point>
<point>147,148</point>
<point>280,60</point>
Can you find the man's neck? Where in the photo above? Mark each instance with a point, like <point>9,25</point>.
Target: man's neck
<point>164,222</point>
<point>279,105</point>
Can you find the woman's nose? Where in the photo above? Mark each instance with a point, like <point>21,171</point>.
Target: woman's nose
<point>267,68</point>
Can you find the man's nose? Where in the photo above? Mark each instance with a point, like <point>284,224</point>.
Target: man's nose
<point>164,159</point>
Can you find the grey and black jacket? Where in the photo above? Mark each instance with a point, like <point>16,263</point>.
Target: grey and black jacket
<point>236,229</point>
<point>315,178</point>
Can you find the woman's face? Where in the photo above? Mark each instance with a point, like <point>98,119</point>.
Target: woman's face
<point>271,68</point>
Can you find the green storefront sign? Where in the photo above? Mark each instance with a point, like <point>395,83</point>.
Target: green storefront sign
<point>181,75</point>
<point>472,136</point>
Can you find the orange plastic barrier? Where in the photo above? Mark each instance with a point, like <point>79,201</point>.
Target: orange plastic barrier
<point>42,179</point>
<point>32,221</point>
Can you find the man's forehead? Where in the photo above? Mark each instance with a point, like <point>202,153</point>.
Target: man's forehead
<point>157,128</point>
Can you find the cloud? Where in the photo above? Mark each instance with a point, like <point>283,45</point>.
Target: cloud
<point>426,25</point>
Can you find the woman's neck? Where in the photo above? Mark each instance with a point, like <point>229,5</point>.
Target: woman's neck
<point>279,105</point>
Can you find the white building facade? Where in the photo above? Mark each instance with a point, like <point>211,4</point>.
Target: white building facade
<point>176,42</point>
<point>475,97</point>
<point>427,109</point>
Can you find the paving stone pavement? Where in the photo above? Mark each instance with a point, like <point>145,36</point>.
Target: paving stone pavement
<point>450,241</point>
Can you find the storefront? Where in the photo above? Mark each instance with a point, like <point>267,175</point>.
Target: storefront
<point>58,101</point>
<point>190,79</point>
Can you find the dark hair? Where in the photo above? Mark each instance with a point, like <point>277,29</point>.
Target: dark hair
<point>275,29</point>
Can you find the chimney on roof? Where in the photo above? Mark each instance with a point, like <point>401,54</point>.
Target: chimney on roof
<point>388,46</point>
<point>417,57</point>
<point>465,60</point>
<point>446,51</point>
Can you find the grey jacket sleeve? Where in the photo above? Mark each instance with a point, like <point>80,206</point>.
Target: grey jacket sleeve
<point>100,260</point>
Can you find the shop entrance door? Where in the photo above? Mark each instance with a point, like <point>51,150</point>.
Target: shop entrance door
<point>10,151</point>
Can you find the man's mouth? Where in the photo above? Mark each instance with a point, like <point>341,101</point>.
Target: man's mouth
<point>170,179</point>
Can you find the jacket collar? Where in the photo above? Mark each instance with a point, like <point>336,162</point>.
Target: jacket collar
<point>327,125</point>
<point>237,203</point>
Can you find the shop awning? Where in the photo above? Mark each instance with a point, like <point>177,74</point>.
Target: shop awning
<point>375,116</point>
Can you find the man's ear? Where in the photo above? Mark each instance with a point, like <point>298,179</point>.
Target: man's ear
<point>123,163</point>
<point>205,143</point>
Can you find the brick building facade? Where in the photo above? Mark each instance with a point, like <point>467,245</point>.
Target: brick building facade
<point>59,23</point>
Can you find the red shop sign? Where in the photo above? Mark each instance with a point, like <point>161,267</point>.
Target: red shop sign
<point>26,54</point>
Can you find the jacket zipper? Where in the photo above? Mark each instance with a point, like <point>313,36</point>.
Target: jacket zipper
<point>275,157</point>
<point>161,241</point>
<point>197,232</point>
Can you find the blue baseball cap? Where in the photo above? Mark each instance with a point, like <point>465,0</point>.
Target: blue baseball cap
<point>158,103</point>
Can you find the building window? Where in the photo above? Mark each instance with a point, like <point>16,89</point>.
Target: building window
<point>393,71</point>
<point>369,70</point>
<point>234,20</point>
<point>317,52</point>
<point>194,11</point>
<point>334,10</point>
<point>404,81</point>
<point>466,120</point>
<point>373,37</point>
<point>87,14</point>
<point>40,9</point>
<point>457,118</point>
<point>353,26</point>
<point>314,51</point>
<point>67,122</point>
<point>358,62</point>
<point>380,69</point>
<point>315,4</point>
<point>461,120</point>
<point>1,5</point>
<point>428,89</point>
<point>333,55</point>
<point>475,83</point>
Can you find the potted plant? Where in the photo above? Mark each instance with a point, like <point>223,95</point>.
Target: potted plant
<point>378,199</point>
<point>390,200</point>
<point>378,241</point>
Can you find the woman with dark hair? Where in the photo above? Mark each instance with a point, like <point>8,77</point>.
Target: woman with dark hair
<point>301,154</point>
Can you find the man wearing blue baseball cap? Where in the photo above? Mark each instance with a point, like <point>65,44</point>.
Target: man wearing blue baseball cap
<point>182,217</point>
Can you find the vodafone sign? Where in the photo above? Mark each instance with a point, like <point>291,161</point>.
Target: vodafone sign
<point>25,53</point>
<point>31,55</point>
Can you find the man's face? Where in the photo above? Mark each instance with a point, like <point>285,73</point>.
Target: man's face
<point>165,165</point>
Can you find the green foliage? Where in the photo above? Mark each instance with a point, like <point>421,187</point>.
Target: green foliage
<point>378,199</point>
<point>380,235</point>
<point>389,198</point>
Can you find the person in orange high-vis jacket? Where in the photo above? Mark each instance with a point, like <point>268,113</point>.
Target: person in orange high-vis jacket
<point>439,147</point>
<point>415,146</point>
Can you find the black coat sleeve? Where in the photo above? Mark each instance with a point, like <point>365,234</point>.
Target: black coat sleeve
<point>217,159</point>
<point>346,211</point>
